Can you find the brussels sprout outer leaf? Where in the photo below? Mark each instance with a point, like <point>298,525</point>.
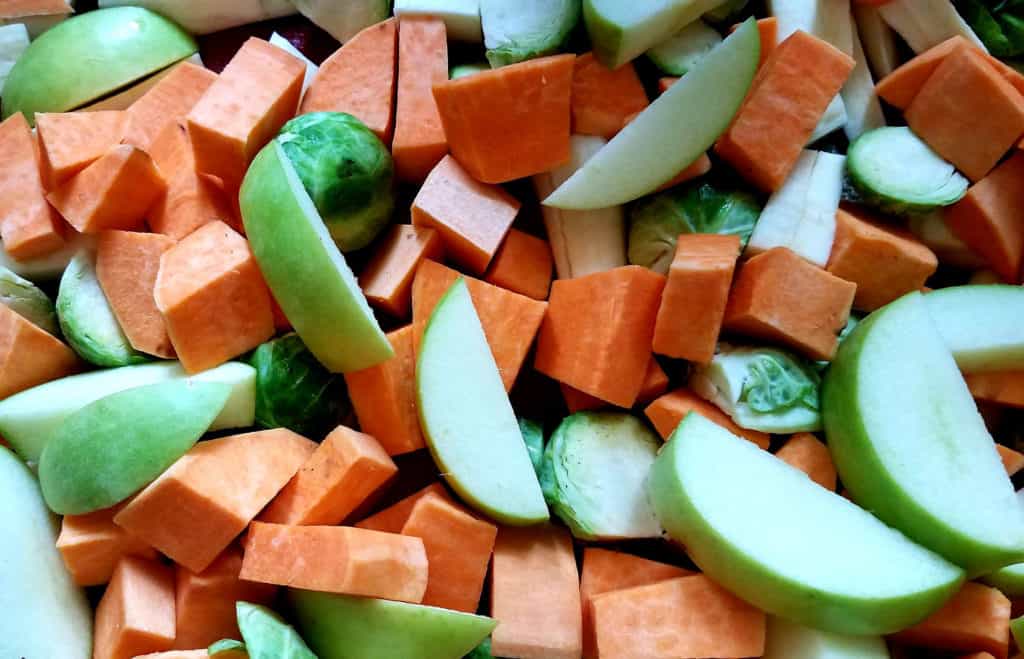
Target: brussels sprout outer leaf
<point>267,636</point>
<point>533,436</point>
<point>227,648</point>
<point>27,300</point>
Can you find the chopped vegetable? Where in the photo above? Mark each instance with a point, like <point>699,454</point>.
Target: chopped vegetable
<point>227,648</point>
<point>91,546</point>
<point>198,17</point>
<point>515,31</point>
<point>522,264</point>
<point>925,23</point>
<point>788,640</point>
<point>71,141</point>
<point>29,227</point>
<point>420,138</point>
<point>932,230</point>
<point>878,39</point>
<point>533,437</point>
<point>686,49</point>
<point>344,20</point>
<point>285,45</point>
<point>805,452</point>
<point>27,300</point>
<point>393,518</point>
<point>136,613</point>
<point>999,25</point>
<point>667,411</point>
<point>268,636</point>
<point>461,18</point>
<point>13,42</point>
<point>168,102</point>
<point>603,99</point>
<point>975,619</point>
<point>463,70</point>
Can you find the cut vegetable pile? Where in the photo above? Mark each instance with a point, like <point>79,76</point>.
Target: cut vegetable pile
<point>522,329</point>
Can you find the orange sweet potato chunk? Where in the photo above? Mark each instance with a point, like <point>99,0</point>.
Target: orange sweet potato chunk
<point>1013,461</point>
<point>471,217</point>
<point>393,518</point>
<point>419,141</point>
<point>337,559</point>
<point>655,383</point>
<point>667,411</point>
<point>602,98</point>
<point>387,279</point>
<point>346,469</point>
<point>196,508</point>
<point>29,355</point>
<point>29,226</point>
<point>168,102</point>
<point>71,141</point>
<point>778,296</point>
<point>535,594</point>
<point>900,87</point>
<point>212,297</point>
<point>136,614</point>
<point>589,342</point>
<point>1001,387</point>
<point>91,546</point>
<point>522,264</point>
<point>977,618</point>
<point>806,452</point>
<point>577,401</point>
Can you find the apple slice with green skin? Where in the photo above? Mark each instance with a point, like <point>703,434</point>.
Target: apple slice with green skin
<point>305,269</point>
<point>780,541</point>
<point>115,446</point>
<point>909,444</point>
<point>1010,579</point>
<point>28,419</point>
<point>467,419</point>
<point>981,325</point>
<point>347,627</point>
<point>92,55</point>
<point>652,148</point>
<point>45,614</point>
<point>788,640</point>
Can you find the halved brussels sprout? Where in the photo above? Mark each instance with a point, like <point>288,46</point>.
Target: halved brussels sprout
<point>28,301</point>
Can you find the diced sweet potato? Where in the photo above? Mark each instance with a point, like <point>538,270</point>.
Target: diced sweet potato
<point>29,226</point>
<point>168,102</point>
<point>29,355</point>
<point>522,264</point>
<point>577,401</point>
<point>602,98</point>
<point>655,383</point>
<point>393,518</point>
<point>1013,461</point>
<point>387,279</point>
<point>667,411</point>
<point>1001,387</point>
<point>805,452</point>
<point>136,614</point>
<point>977,618</point>
<point>71,141</point>
<point>419,141</point>
<point>91,546</point>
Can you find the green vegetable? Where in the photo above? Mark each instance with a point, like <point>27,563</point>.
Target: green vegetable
<point>518,30</point>
<point>482,651</point>
<point>594,475</point>
<point>267,636</point>
<point>684,51</point>
<point>998,23</point>
<point>895,171</point>
<point>533,435</point>
<point>657,221</point>
<point>851,323</point>
<point>295,391</point>
<point>86,318</point>
<point>25,299</point>
<point>763,389</point>
<point>1017,630</point>
<point>227,647</point>
<point>347,171</point>
<point>463,70</point>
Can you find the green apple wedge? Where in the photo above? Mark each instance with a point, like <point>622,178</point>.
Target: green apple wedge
<point>115,446</point>
<point>1010,579</point>
<point>467,419</point>
<point>910,446</point>
<point>652,149</point>
<point>981,325</point>
<point>787,545</point>
<point>45,614</point>
<point>28,419</point>
<point>90,56</point>
<point>304,268</point>
<point>788,640</point>
<point>621,31</point>
<point>347,627</point>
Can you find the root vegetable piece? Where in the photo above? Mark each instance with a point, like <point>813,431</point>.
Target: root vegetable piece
<point>387,279</point>
<point>29,227</point>
<point>510,320</point>
<point>806,452</point>
<point>346,469</point>
<point>587,342</point>
<point>685,617</point>
<point>968,113</point>
<point>30,356</point>
<point>883,262</point>
<point>458,546</point>
<point>136,614</point>
<point>394,517</point>
<point>359,78</point>
<point>213,297</point>
<point>71,141</point>
<point>127,263</point>
<point>168,102</point>
<point>778,296</point>
<point>419,141</point>
<point>602,98</point>
<point>243,109</point>
<point>1013,461</point>
<point>577,401</point>
<point>510,122</point>
<point>977,618</point>
<point>196,508</point>
<point>522,264</point>
<point>114,192</point>
<point>205,601</point>
<point>471,217</point>
<point>667,411</point>
<point>654,385</point>
<point>91,546</point>
<point>535,594</point>
<point>1002,387</point>
<point>785,102</point>
<point>384,397</point>
<point>337,559</point>
<point>696,292</point>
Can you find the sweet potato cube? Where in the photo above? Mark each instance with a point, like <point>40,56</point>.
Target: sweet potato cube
<point>71,141</point>
<point>990,218</point>
<point>419,142</point>
<point>655,384</point>
<point>205,601</point>
<point>806,452</point>
<point>337,559</point>
<point>1013,461</point>
<point>29,355</point>
<point>243,109</point>
<point>577,401</point>
<point>693,303</point>
<point>136,614</point>
<point>387,279</point>
<point>384,397</point>
<point>394,517</point>
<point>114,192</point>
<point>29,226</point>
<point>1000,387</point>
<point>968,113</point>
<point>522,264</point>
<point>168,102</point>
<point>610,359</point>
<point>196,508</point>
<point>91,546</point>
<point>535,594</point>
<point>213,297</point>
<point>458,547</point>
<point>345,470</point>
<point>667,411</point>
<point>602,98</point>
<point>778,296</point>
<point>127,263</point>
<point>977,618</point>
<point>472,217</point>
<point>884,262</point>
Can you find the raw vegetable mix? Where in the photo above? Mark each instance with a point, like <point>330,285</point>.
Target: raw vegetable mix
<point>476,329</point>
